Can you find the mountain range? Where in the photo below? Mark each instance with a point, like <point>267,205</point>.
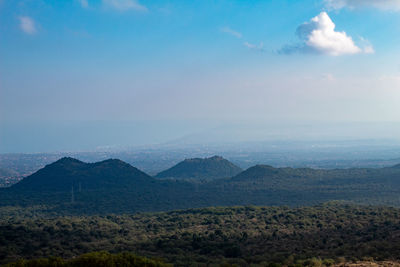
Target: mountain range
<point>113,186</point>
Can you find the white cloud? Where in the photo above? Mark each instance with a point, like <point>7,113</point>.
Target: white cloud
<point>381,4</point>
<point>259,47</point>
<point>27,25</point>
<point>84,3</point>
<point>319,36</point>
<point>124,5</point>
<point>231,32</point>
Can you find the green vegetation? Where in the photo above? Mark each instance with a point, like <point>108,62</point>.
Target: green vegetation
<point>238,235</point>
<point>95,259</point>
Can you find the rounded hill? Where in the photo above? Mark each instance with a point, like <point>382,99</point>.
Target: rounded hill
<point>202,168</point>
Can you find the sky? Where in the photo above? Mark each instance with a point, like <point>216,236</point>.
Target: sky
<point>128,72</point>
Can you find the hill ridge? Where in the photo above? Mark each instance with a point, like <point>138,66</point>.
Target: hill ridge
<point>115,186</point>
<point>201,168</point>
<point>63,173</point>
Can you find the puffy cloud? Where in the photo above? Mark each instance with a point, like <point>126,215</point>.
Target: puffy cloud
<point>27,25</point>
<point>124,5</point>
<point>319,36</point>
<point>381,4</point>
<point>231,32</point>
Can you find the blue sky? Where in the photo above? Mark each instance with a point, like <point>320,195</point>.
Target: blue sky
<point>124,60</point>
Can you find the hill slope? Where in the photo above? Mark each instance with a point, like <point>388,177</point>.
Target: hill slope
<point>198,168</point>
<point>107,186</point>
<point>306,178</point>
<point>66,173</point>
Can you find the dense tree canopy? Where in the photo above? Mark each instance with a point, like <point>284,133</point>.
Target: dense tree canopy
<point>240,235</point>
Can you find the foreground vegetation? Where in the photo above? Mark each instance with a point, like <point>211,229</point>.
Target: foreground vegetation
<point>95,259</point>
<point>328,233</point>
<point>105,259</point>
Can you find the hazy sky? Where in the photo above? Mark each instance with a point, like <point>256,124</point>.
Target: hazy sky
<point>70,62</point>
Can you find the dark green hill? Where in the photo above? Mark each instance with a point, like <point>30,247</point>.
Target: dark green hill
<point>66,173</point>
<point>113,186</point>
<point>107,186</point>
<point>302,178</point>
<point>258,172</point>
<point>266,185</point>
<point>337,181</point>
<point>198,168</point>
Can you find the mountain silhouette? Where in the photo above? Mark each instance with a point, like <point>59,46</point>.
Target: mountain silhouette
<point>71,186</point>
<point>66,173</point>
<point>201,168</point>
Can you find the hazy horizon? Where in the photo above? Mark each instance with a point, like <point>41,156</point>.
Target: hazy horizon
<point>72,136</point>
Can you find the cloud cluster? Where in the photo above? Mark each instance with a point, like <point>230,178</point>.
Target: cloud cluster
<point>381,4</point>
<point>123,5</point>
<point>27,25</point>
<point>319,36</point>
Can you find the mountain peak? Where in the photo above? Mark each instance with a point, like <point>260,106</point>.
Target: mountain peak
<point>213,158</point>
<point>201,168</point>
<point>67,160</point>
<point>113,162</point>
<point>216,158</point>
<point>60,175</point>
<point>65,163</point>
